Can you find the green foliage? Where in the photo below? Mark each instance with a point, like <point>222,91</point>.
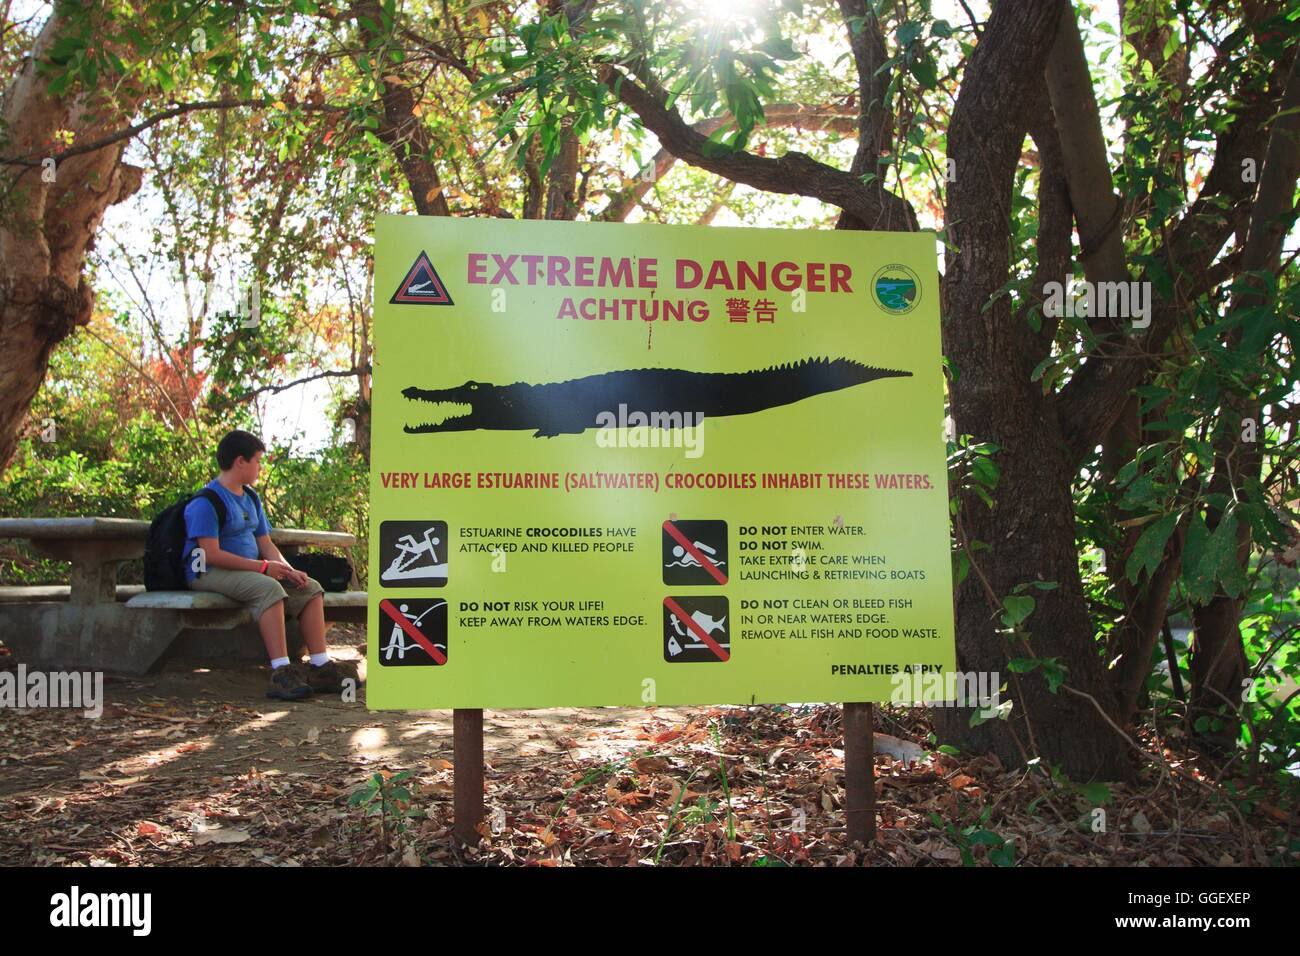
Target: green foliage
<point>387,798</point>
<point>110,459</point>
<point>1001,852</point>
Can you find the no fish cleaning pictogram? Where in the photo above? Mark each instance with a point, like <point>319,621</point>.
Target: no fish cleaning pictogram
<point>696,629</point>
<point>422,286</point>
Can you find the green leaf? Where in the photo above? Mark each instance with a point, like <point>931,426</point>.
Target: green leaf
<point>1150,547</point>
<point>910,31</point>
<point>1054,671</point>
<point>985,471</point>
<point>1197,572</point>
<point>1004,855</point>
<point>1018,607</point>
<point>59,85</point>
<point>926,72</point>
<point>779,48</point>
<point>1096,793</point>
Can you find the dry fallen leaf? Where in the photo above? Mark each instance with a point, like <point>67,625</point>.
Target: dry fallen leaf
<point>220,835</point>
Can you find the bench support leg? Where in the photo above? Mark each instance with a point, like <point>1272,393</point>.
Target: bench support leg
<point>100,637</point>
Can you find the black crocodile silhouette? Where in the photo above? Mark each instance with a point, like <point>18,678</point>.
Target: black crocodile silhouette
<point>558,408</point>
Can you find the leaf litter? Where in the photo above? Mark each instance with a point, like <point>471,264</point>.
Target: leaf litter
<point>182,780</point>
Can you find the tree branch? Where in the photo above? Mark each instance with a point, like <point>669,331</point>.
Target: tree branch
<point>1083,153</point>
<point>839,119</point>
<point>401,130</point>
<point>1092,400</point>
<point>35,159</point>
<point>869,55</point>
<point>276,389</point>
<point>792,174</point>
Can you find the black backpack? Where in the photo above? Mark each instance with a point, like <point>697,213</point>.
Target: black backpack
<point>331,572</point>
<point>164,557</point>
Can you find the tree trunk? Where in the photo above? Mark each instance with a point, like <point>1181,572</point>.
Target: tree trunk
<point>1218,659</point>
<point>1031,530</point>
<point>48,227</point>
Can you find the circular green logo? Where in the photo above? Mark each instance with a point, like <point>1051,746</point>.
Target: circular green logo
<point>896,289</point>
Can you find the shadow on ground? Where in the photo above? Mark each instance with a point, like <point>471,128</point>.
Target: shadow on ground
<point>166,774</point>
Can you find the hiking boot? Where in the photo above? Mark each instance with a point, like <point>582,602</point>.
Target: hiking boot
<point>328,678</point>
<point>287,684</point>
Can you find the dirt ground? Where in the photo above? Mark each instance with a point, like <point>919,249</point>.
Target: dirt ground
<point>194,766</point>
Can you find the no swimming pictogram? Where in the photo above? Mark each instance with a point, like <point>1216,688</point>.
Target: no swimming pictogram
<point>422,286</point>
<point>694,552</point>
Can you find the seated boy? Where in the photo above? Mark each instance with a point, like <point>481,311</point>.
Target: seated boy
<point>240,562</point>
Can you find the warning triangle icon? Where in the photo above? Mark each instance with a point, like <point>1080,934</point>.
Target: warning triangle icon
<point>422,286</point>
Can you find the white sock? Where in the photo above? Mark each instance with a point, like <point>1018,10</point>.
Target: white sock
<point>318,660</point>
<point>277,662</point>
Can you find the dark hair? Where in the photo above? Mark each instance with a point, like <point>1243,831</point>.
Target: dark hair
<point>237,444</point>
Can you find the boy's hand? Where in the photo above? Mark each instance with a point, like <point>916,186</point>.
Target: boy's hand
<point>282,571</point>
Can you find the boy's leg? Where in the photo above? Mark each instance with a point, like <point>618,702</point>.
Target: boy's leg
<point>311,621</point>
<point>308,603</point>
<point>262,595</point>
<point>271,626</point>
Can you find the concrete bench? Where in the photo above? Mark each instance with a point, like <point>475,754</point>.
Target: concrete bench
<point>35,594</point>
<point>346,606</point>
<point>93,623</point>
<point>217,631</point>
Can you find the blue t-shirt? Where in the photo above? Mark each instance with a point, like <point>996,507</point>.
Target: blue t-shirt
<point>245,523</point>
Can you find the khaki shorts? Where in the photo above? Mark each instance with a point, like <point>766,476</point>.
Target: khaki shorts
<point>257,592</point>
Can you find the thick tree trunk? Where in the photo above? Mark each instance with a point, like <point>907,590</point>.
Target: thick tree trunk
<point>1218,660</point>
<point>48,227</point>
<point>1031,530</point>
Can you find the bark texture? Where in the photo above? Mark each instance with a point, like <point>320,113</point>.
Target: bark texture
<point>1030,531</point>
<point>1218,658</point>
<point>49,225</point>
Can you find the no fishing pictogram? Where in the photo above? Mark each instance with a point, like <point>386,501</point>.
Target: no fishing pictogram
<point>694,552</point>
<point>427,639</point>
<point>422,286</point>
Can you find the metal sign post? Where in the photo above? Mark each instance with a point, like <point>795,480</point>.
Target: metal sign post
<point>859,774</point>
<point>467,774</point>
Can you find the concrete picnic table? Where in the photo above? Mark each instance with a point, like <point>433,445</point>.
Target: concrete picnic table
<point>95,623</point>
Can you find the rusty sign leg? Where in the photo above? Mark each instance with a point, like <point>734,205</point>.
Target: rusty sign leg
<point>467,770</point>
<point>859,774</point>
